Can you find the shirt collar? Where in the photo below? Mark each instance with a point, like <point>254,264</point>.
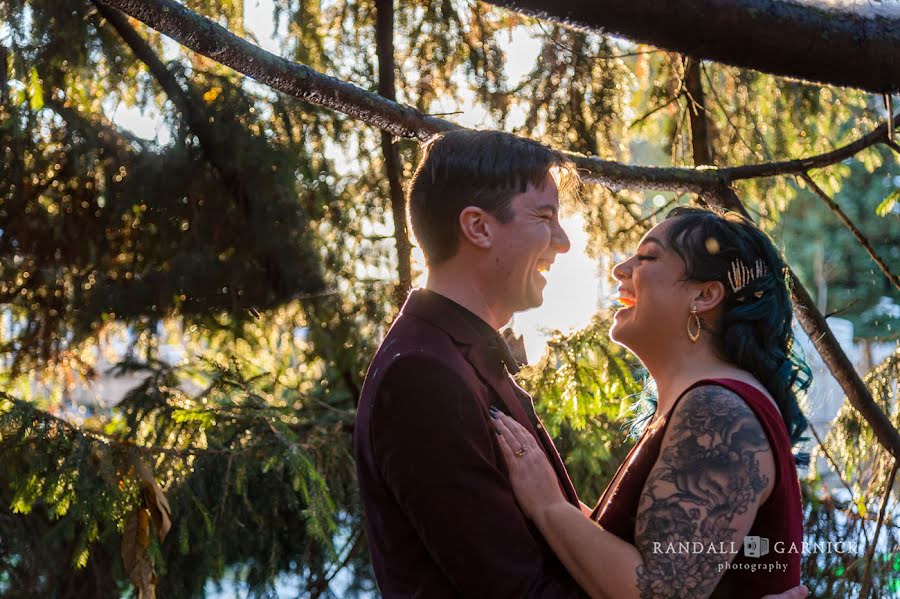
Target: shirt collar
<point>461,323</point>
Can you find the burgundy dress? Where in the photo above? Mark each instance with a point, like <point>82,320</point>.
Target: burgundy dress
<point>779,520</point>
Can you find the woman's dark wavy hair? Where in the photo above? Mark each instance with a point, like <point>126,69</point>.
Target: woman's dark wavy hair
<point>755,332</point>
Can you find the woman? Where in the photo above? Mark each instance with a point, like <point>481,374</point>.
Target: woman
<point>707,503</point>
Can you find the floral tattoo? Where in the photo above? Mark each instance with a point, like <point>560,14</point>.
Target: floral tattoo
<point>707,474</point>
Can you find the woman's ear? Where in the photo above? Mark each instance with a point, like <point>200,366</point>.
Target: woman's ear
<point>709,295</point>
<point>476,227</point>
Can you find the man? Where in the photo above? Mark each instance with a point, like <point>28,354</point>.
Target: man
<point>441,518</point>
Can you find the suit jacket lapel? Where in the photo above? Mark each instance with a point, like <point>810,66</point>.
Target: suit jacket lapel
<point>521,408</point>
<point>495,375</point>
<point>565,483</point>
<point>435,309</point>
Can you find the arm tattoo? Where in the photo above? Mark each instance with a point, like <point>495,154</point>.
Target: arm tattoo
<point>707,473</point>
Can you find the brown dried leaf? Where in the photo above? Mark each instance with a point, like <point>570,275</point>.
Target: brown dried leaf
<point>135,541</point>
<point>155,499</point>
<point>159,509</point>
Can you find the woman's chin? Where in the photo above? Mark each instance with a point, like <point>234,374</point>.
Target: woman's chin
<point>622,315</point>
<point>622,322</point>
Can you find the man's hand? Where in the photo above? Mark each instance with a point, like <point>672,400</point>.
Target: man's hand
<point>799,592</point>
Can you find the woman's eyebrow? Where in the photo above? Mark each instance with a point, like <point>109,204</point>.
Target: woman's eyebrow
<point>653,240</point>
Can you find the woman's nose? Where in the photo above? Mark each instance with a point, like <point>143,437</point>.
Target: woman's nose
<point>621,271</point>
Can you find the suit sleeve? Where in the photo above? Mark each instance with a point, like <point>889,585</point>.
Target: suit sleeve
<point>438,454</point>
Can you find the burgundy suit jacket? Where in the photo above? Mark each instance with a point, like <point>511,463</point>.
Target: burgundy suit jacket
<point>441,518</point>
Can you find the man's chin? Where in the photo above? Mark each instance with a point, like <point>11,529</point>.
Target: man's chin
<point>531,301</point>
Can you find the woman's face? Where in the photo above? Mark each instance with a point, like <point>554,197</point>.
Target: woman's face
<point>656,299</point>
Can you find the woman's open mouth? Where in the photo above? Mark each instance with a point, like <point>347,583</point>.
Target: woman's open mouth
<point>628,302</point>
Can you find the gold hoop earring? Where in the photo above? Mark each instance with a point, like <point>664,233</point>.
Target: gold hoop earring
<point>695,320</point>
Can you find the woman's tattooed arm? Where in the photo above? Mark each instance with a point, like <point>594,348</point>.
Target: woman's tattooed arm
<point>714,468</point>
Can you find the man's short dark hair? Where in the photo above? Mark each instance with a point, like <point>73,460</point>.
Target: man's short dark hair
<point>464,168</point>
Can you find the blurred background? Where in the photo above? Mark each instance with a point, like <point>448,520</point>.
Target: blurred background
<point>195,271</point>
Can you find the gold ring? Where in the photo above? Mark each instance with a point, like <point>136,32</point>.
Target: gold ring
<point>520,452</point>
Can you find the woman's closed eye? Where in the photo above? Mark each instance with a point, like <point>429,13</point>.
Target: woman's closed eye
<point>642,257</point>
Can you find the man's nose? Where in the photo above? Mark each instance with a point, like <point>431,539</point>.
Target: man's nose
<point>560,241</point>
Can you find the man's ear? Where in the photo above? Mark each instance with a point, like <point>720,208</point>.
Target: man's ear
<point>709,295</point>
<point>476,226</point>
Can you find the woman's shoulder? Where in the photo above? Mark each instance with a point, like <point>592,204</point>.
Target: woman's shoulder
<point>716,423</point>
<point>744,384</point>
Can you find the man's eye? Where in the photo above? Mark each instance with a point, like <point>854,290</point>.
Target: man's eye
<point>642,257</point>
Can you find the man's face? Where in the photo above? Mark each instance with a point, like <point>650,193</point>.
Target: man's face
<point>525,247</point>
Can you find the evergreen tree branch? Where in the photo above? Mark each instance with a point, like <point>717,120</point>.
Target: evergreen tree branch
<point>195,117</point>
<point>862,239</point>
<point>111,139</point>
<point>205,37</point>
<point>96,437</point>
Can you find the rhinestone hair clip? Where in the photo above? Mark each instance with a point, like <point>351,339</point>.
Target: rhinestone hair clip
<point>740,276</point>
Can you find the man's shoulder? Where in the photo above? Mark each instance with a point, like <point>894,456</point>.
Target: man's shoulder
<point>414,341</point>
<point>410,337</point>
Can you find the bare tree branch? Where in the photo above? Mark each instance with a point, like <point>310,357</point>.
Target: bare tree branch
<point>210,39</point>
<point>862,239</point>
<point>834,45</point>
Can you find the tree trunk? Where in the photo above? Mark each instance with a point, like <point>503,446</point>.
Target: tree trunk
<point>384,46</point>
<point>693,85</point>
<point>835,45</point>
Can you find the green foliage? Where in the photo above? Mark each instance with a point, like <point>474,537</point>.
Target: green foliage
<point>852,442</point>
<point>243,454</point>
<point>887,205</point>
<point>585,389</point>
